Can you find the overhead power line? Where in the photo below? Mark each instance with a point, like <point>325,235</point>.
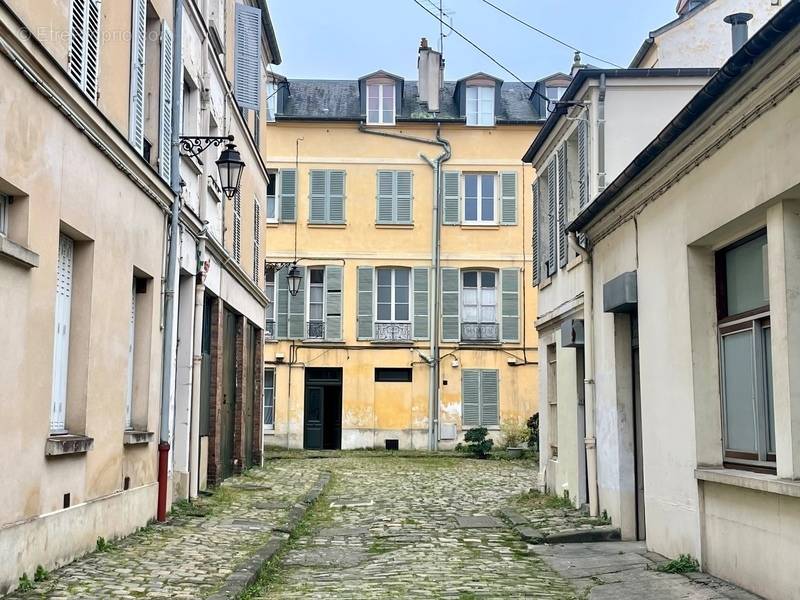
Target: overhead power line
<point>549,36</point>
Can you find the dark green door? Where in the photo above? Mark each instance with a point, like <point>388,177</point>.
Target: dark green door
<point>312,438</point>
<point>228,392</point>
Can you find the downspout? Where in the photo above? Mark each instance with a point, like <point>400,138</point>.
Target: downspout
<point>588,381</point>
<point>168,358</point>
<point>601,136</point>
<point>436,246</point>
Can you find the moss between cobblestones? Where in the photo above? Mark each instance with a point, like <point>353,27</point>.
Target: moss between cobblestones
<point>535,499</point>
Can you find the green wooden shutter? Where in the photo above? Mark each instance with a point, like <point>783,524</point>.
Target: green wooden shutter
<point>365,318</point>
<point>583,162</point>
<point>282,305</point>
<point>450,305</point>
<point>470,397</point>
<point>333,303</point>
<point>509,286</point>
<point>562,205</point>
<point>508,198</point>
<point>165,109</point>
<point>247,57</point>
<point>288,192</point>
<point>335,197</point>
<point>452,198</point>
<point>385,197</point>
<point>317,196</point>
<point>489,394</point>
<point>421,317</point>
<point>552,232</point>
<point>297,309</point>
<point>537,203</point>
<point>403,197</point>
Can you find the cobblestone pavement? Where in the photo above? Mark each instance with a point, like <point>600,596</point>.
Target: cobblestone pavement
<point>189,556</point>
<point>416,528</point>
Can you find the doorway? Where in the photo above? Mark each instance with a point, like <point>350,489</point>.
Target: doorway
<point>322,427</point>
<point>637,429</point>
<point>228,392</point>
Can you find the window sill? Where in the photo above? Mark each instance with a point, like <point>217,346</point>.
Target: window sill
<point>476,226</point>
<point>272,223</point>
<point>269,431</point>
<point>133,437</point>
<point>17,253</point>
<point>327,225</point>
<point>761,482</point>
<point>394,225</point>
<point>401,343</point>
<point>574,262</point>
<point>545,282</point>
<point>480,344</point>
<point>61,445</point>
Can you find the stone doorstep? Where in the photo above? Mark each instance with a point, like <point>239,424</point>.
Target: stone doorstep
<point>569,536</point>
<point>60,445</point>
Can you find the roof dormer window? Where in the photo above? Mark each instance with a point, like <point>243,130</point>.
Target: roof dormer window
<point>480,105</point>
<point>380,103</point>
<point>553,94</point>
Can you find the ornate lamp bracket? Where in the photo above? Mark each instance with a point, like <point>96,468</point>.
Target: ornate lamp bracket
<point>195,145</point>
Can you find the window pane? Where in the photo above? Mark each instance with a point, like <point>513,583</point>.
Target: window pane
<point>270,207</point>
<point>488,297</point>
<point>401,312</point>
<point>767,336</point>
<point>746,277</point>
<point>373,116</point>
<point>471,186</point>
<point>471,209</point>
<point>315,312</point>
<point>384,293</point>
<point>401,294</point>
<point>470,297</point>
<point>487,197</point>
<point>488,314</point>
<point>384,312</point>
<point>401,277</point>
<point>470,314</point>
<point>487,279</point>
<point>384,276</point>
<point>738,378</point>
<point>316,293</point>
<point>317,275</point>
<point>470,279</point>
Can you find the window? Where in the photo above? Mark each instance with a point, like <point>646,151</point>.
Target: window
<point>131,350</point>
<point>4,202</point>
<point>479,198</point>
<point>394,197</point>
<point>272,204</point>
<point>745,352</point>
<point>269,398</point>
<point>392,304</point>
<point>552,400</point>
<point>391,374</point>
<point>480,105</point>
<point>269,290</point>
<point>326,204</point>
<point>316,302</point>
<point>479,394</point>
<point>237,226</point>
<point>479,306</point>
<point>84,45</point>
<point>380,103</point>
<point>272,101</point>
<point>256,241</point>
<point>553,94</point>
<point>63,311</point>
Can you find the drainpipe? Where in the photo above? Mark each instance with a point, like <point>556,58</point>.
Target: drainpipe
<point>601,136</point>
<point>168,356</point>
<point>589,387</point>
<point>436,246</point>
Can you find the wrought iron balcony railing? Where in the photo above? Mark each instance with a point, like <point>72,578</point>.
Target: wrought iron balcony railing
<point>392,332</point>
<point>315,330</point>
<point>480,332</point>
<point>269,329</point>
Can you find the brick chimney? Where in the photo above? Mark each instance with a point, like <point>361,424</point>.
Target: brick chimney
<point>431,75</point>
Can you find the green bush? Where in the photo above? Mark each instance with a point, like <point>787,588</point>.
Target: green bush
<point>25,584</point>
<point>41,574</point>
<point>477,444</point>
<point>533,432</point>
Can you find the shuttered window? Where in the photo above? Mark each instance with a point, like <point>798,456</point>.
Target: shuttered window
<point>333,302</point>
<point>131,339</point>
<point>450,305</point>
<point>282,304</point>
<point>247,57</point>
<point>288,195</point>
<point>316,303</point>
<point>421,303</point>
<point>451,212</point>
<point>326,197</point>
<point>365,306</point>
<point>237,226</point>
<point>165,117</point>
<point>84,46</point>
<point>297,308</point>
<point>509,289</point>
<point>479,199</point>
<point>269,398</point>
<point>537,224</point>
<point>583,162</point>
<point>394,197</point>
<point>256,242</point>
<point>63,310</point>
<point>138,39</point>
<point>552,218</point>
<point>561,179</point>
<point>479,397</point>
<point>508,198</point>
<point>4,202</point>
<point>269,290</point>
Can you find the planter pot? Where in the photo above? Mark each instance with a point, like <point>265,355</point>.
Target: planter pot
<point>515,452</point>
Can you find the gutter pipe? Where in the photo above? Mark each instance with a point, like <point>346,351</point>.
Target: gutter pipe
<point>601,135</point>
<point>168,354</point>
<point>589,388</point>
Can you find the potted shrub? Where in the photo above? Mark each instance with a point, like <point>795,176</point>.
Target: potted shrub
<point>477,444</point>
<point>515,436</point>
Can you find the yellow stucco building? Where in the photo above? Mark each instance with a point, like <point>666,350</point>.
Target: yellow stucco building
<point>368,354</point>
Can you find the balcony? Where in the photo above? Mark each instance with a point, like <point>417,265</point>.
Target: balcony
<point>315,330</point>
<point>269,330</point>
<point>480,332</point>
<point>392,331</point>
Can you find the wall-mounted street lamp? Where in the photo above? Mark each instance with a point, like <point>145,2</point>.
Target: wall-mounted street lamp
<point>229,163</point>
<point>294,278</point>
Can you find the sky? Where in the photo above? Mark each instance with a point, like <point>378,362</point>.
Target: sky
<point>345,39</point>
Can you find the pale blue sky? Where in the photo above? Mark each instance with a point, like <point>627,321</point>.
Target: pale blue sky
<point>344,39</point>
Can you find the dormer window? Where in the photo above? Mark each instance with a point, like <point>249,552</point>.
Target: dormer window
<point>380,103</point>
<point>553,94</point>
<point>480,105</point>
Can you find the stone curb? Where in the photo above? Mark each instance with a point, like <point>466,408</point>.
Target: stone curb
<point>247,573</point>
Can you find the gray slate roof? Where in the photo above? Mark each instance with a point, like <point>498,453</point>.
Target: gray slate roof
<point>338,100</point>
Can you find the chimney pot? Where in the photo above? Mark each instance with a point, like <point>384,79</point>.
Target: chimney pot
<point>739,35</point>
<point>423,44</point>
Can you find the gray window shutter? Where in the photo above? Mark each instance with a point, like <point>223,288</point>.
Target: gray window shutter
<point>84,45</point>
<point>552,233</point>
<point>237,226</point>
<point>537,203</point>
<point>385,206</point>
<point>247,57</point>
<point>288,191</point>
<point>77,41</point>
<point>451,212</point>
<point>365,318</point>
<point>470,397</point>
<point>508,198</point>
<point>335,197</point>
<point>562,205</point>
<point>92,73</point>
<point>297,310</point>
<point>583,162</point>
<point>333,303</point>
<point>282,304</point>
<point>316,196</point>
<point>489,393</point>
<point>403,197</point>
<point>138,35</point>
<point>165,117</point>
<point>421,317</point>
<point>509,287</point>
<point>451,305</point>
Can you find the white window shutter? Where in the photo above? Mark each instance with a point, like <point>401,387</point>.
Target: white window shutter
<point>165,120</point>
<point>256,241</point>
<point>84,46</point>
<point>63,309</point>
<point>77,41</point>
<point>138,38</point>
<point>247,57</point>
<point>237,227</point>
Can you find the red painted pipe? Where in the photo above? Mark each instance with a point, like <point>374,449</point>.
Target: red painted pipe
<point>163,458</point>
